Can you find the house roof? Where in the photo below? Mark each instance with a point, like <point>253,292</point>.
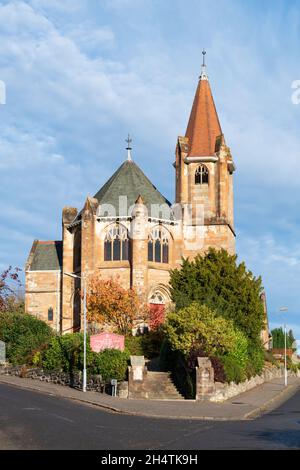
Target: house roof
<point>45,256</point>
<point>204,125</point>
<point>130,181</point>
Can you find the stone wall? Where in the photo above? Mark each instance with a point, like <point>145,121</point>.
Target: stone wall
<point>42,294</point>
<point>94,382</point>
<point>225,391</point>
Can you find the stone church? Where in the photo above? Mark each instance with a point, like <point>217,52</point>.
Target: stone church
<point>130,230</point>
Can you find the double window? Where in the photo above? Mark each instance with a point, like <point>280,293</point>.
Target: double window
<point>116,244</point>
<point>201,175</point>
<point>158,245</point>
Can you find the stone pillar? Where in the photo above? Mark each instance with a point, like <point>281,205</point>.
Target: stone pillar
<point>88,235</point>
<point>139,250</point>
<point>68,215</point>
<point>137,378</point>
<point>205,386</point>
<point>181,168</point>
<point>88,240</point>
<point>225,184</point>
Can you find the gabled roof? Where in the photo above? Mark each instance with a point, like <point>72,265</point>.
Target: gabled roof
<point>203,126</point>
<point>45,256</point>
<point>130,181</point>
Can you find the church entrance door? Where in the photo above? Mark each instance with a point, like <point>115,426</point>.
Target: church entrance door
<point>157,310</point>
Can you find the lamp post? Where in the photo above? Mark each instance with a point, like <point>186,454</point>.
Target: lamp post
<point>75,276</point>
<point>284,309</point>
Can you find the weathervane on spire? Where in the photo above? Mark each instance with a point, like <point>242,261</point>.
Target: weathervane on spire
<point>128,148</point>
<point>203,75</point>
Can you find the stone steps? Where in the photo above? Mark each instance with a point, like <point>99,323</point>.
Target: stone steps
<point>160,386</point>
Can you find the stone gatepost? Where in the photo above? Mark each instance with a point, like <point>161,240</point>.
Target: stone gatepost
<point>205,385</point>
<point>137,378</point>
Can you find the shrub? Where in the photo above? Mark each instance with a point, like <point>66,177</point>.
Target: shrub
<point>256,358</point>
<point>147,345</point>
<point>199,327</point>
<point>110,364</point>
<point>134,345</point>
<point>233,370</point>
<point>151,343</point>
<point>66,353</point>
<point>292,367</point>
<point>166,356</point>
<point>23,334</point>
<point>239,350</point>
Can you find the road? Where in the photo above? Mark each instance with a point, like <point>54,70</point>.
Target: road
<point>32,420</point>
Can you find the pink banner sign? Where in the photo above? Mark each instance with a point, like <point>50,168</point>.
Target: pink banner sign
<point>107,341</point>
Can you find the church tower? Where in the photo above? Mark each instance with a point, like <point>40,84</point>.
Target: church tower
<point>204,175</point>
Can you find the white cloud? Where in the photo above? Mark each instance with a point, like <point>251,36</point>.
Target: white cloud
<point>91,38</point>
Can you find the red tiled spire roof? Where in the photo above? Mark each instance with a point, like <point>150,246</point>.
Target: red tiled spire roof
<point>204,126</point>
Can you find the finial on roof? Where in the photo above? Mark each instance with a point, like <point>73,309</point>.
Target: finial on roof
<point>203,75</point>
<point>128,148</point>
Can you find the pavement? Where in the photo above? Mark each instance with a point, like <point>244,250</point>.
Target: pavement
<point>248,405</point>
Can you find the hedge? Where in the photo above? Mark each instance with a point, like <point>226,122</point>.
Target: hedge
<point>24,335</point>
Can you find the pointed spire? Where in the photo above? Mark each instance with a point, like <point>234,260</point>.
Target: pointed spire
<point>129,148</point>
<point>204,125</point>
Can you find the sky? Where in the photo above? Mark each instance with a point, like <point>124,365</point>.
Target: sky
<point>81,74</point>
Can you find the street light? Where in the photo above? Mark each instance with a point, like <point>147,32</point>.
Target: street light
<point>284,309</point>
<point>75,276</point>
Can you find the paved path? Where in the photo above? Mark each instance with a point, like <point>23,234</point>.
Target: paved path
<point>247,405</point>
<point>34,420</point>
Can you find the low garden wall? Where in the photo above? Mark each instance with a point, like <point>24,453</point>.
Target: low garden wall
<point>225,391</point>
<point>94,382</point>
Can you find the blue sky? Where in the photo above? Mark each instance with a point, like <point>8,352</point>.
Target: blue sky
<point>81,74</point>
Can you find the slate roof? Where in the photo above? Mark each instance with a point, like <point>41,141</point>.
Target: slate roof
<point>46,256</point>
<point>130,181</point>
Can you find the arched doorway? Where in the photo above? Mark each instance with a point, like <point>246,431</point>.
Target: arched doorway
<point>158,299</point>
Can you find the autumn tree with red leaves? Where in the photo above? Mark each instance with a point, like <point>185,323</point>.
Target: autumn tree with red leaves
<point>8,278</point>
<point>110,304</point>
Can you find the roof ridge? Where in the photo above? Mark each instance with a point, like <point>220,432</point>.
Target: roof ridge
<point>48,242</point>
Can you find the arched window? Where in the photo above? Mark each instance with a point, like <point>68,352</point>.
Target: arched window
<point>50,314</point>
<point>116,244</point>
<point>201,175</point>
<point>158,245</point>
<point>157,298</point>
